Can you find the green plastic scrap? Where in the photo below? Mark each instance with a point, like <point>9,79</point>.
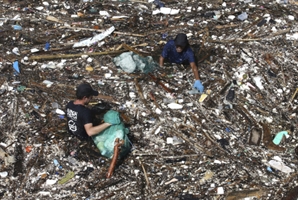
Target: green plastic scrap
<point>21,88</point>
<point>67,177</point>
<point>277,139</point>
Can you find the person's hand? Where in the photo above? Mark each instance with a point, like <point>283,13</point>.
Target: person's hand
<point>199,86</point>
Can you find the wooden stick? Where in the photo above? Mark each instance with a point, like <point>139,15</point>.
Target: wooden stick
<point>102,30</point>
<point>293,96</point>
<point>145,174</point>
<point>157,81</point>
<point>103,97</point>
<point>166,29</point>
<point>118,143</point>
<point>59,56</point>
<point>129,48</point>
<point>253,39</point>
<point>140,92</point>
<point>226,26</point>
<point>196,146</point>
<point>246,193</point>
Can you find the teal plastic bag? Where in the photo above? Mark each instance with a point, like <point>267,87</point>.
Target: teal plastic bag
<point>105,140</point>
<point>131,62</point>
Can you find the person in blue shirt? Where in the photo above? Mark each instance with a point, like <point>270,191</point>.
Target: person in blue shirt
<point>178,51</point>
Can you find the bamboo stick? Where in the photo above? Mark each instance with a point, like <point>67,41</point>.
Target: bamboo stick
<point>61,56</point>
<point>129,48</point>
<point>145,174</point>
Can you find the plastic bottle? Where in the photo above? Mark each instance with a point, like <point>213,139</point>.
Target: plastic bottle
<point>57,164</point>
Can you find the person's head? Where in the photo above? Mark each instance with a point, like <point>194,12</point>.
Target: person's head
<point>85,92</point>
<point>181,42</point>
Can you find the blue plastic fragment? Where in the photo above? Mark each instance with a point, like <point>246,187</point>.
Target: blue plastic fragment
<point>16,66</point>
<point>56,163</point>
<point>47,46</point>
<point>17,27</point>
<point>164,35</point>
<point>158,3</point>
<point>228,129</point>
<point>269,169</point>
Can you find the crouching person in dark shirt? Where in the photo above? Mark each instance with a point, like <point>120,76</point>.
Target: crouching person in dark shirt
<point>178,51</point>
<point>79,117</point>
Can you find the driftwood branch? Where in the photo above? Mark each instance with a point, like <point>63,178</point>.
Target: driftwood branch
<point>157,81</point>
<point>118,143</point>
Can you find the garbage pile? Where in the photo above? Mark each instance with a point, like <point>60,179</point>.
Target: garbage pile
<point>237,140</point>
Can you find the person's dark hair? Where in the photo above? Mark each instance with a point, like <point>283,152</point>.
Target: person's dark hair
<point>181,40</point>
<point>85,90</point>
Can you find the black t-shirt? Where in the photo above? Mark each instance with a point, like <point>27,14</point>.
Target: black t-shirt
<point>77,117</point>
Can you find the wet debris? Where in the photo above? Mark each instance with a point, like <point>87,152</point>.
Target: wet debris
<point>237,140</point>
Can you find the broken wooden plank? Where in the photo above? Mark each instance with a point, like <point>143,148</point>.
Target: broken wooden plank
<point>267,139</point>
<point>236,195</point>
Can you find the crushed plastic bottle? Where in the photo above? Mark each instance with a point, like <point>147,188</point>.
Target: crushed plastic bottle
<point>72,160</point>
<point>279,165</point>
<point>57,164</point>
<point>243,16</point>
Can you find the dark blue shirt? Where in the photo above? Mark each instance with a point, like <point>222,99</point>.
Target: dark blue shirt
<point>169,52</point>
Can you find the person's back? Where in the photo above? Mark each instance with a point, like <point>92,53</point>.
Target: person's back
<point>77,117</point>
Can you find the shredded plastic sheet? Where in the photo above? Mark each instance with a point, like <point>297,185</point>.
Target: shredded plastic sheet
<point>89,41</point>
<point>105,140</point>
<point>7,158</point>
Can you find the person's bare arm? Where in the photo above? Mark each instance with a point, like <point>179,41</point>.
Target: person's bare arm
<point>161,61</point>
<point>195,70</point>
<point>94,130</point>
